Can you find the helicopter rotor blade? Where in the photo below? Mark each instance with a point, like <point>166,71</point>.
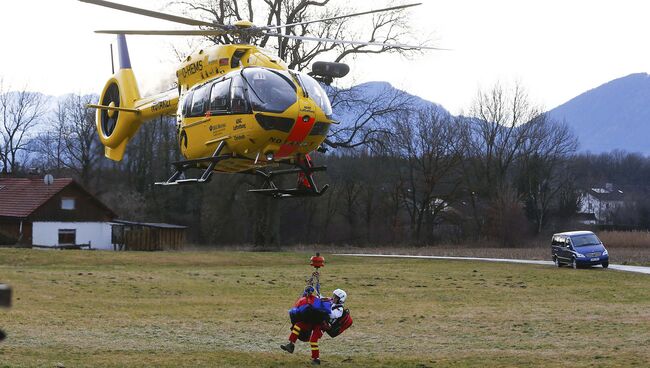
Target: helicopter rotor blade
<point>187,32</point>
<point>318,39</point>
<point>151,13</point>
<point>342,16</point>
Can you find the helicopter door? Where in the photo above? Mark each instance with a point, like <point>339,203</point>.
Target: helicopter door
<point>187,105</point>
<point>219,99</point>
<point>238,102</point>
<point>200,101</point>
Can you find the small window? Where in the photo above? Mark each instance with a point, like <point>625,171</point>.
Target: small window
<point>219,97</point>
<point>200,101</point>
<point>187,104</point>
<point>67,236</point>
<point>67,203</point>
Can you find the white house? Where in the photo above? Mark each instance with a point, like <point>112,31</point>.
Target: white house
<point>602,202</point>
<point>57,215</point>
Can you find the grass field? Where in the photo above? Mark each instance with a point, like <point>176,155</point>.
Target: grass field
<point>228,309</point>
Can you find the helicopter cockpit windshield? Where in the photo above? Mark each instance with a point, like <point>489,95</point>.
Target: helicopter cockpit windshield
<point>270,90</point>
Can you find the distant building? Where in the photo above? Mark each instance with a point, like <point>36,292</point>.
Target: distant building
<point>63,213</point>
<point>603,203</point>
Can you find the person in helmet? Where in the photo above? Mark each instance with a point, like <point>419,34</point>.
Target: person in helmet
<point>337,300</point>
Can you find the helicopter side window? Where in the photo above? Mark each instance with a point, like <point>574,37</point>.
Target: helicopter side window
<point>219,99</point>
<point>187,104</point>
<point>200,101</point>
<point>238,102</point>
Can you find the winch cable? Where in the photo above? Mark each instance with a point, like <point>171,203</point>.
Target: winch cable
<point>317,262</point>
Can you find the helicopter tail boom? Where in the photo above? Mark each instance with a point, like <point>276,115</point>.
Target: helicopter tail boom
<point>121,110</point>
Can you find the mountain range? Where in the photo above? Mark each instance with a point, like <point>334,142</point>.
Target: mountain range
<point>613,116</point>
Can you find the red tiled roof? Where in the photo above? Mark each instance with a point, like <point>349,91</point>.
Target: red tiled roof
<point>19,197</point>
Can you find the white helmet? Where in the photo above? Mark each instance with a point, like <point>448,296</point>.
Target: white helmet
<point>341,294</point>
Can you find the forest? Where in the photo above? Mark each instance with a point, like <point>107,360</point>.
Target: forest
<point>400,172</point>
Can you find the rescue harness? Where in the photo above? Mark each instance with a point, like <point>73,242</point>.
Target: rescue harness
<point>314,310</point>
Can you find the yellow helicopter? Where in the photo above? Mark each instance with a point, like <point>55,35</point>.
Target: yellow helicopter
<point>239,109</point>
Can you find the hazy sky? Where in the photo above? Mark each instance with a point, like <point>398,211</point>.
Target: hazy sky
<point>556,49</point>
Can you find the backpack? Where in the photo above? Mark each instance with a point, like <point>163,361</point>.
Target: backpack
<point>341,324</point>
<point>310,310</point>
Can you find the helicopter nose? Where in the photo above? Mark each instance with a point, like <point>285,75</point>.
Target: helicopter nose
<point>300,131</point>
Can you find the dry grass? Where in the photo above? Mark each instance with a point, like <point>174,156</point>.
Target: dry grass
<point>630,248</point>
<point>626,239</point>
<point>228,309</point>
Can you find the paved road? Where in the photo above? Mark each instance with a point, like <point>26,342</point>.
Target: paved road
<point>637,269</point>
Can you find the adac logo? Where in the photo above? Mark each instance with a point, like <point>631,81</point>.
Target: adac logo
<point>239,125</point>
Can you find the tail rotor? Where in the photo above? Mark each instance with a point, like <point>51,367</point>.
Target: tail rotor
<point>108,118</point>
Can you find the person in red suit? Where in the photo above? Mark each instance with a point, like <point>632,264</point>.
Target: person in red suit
<point>338,298</point>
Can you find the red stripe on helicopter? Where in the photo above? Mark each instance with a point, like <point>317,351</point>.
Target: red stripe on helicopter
<point>298,134</point>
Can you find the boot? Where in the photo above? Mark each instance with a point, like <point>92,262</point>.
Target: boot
<point>315,361</point>
<point>288,347</point>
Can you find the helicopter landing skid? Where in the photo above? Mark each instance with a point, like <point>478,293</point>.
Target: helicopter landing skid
<point>182,166</point>
<point>306,185</point>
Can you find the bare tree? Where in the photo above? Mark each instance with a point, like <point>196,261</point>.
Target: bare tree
<point>428,145</point>
<point>497,132</point>
<point>366,112</point>
<point>547,150</point>
<point>71,142</point>
<point>20,112</point>
<point>494,138</point>
<point>77,124</point>
<point>391,26</point>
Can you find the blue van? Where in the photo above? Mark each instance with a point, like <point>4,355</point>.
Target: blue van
<point>578,248</point>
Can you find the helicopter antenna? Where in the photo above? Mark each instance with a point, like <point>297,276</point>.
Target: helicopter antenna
<point>112,62</point>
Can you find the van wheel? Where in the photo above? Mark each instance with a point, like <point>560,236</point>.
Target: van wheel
<point>605,264</point>
<point>557,262</point>
<point>574,265</point>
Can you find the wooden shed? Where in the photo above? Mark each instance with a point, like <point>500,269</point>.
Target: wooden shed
<point>147,236</point>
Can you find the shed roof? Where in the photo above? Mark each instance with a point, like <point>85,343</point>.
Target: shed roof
<point>19,197</point>
<point>160,225</point>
